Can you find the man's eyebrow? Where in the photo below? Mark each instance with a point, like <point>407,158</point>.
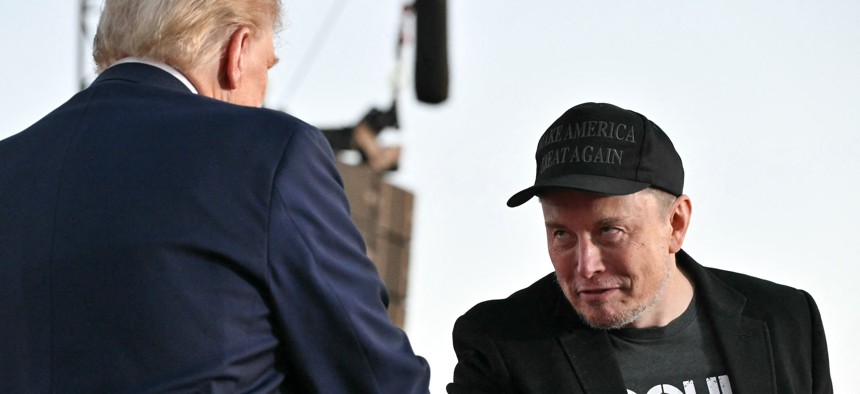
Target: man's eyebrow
<point>275,61</point>
<point>603,222</point>
<point>552,224</point>
<point>611,221</point>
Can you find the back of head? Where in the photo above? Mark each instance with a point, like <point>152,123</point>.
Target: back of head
<point>185,34</point>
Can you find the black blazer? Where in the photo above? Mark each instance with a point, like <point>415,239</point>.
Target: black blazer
<point>154,240</point>
<point>533,341</point>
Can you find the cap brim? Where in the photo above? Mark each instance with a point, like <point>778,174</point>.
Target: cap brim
<point>587,183</point>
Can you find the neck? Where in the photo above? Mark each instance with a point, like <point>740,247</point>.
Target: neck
<point>205,80</point>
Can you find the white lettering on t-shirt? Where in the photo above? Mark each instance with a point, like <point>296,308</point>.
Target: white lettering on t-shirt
<point>716,385</point>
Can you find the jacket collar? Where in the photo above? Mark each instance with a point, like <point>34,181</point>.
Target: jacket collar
<point>589,351</point>
<point>744,342</point>
<point>143,74</point>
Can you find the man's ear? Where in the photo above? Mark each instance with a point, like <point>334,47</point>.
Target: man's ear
<point>233,63</point>
<point>680,221</point>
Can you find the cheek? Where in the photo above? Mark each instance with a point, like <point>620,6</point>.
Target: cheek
<point>647,271</point>
<point>564,265</point>
<point>562,269</point>
<point>557,256</point>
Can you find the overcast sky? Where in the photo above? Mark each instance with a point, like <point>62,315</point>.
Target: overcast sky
<point>762,100</point>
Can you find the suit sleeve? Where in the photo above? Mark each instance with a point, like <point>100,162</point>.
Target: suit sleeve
<point>480,368</point>
<point>821,381</point>
<point>330,304</point>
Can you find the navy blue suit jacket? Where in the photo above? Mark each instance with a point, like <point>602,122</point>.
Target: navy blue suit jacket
<point>154,240</point>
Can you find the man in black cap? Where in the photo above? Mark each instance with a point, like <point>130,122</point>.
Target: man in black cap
<point>626,310</point>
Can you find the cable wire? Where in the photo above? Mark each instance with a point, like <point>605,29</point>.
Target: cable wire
<point>308,60</point>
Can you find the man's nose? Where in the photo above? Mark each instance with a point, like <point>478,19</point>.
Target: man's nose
<point>589,261</point>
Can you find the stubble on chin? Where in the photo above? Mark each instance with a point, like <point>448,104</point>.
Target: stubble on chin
<point>602,320</point>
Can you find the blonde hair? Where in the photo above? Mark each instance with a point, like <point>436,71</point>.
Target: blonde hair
<point>185,34</point>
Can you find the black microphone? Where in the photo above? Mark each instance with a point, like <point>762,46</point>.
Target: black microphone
<point>431,51</point>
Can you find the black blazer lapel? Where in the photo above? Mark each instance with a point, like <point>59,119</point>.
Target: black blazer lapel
<point>589,352</point>
<point>746,348</point>
<point>745,342</point>
<point>592,359</point>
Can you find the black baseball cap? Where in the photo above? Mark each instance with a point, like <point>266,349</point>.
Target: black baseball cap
<point>603,149</point>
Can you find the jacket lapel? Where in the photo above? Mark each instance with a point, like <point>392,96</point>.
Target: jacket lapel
<point>745,345</point>
<point>591,356</point>
<point>744,342</point>
<point>589,352</point>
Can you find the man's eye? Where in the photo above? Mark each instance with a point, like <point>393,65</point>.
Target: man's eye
<point>610,233</point>
<point>559,234</point>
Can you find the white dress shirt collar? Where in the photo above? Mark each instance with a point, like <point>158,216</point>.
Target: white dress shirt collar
<point>164,66</point>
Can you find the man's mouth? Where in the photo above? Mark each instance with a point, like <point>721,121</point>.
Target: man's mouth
<point>596,293</point>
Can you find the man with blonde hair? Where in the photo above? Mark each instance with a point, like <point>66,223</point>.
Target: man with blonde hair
<point>160,232</point>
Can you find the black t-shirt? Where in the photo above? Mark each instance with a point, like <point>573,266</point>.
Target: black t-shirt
<point>680,358</point>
